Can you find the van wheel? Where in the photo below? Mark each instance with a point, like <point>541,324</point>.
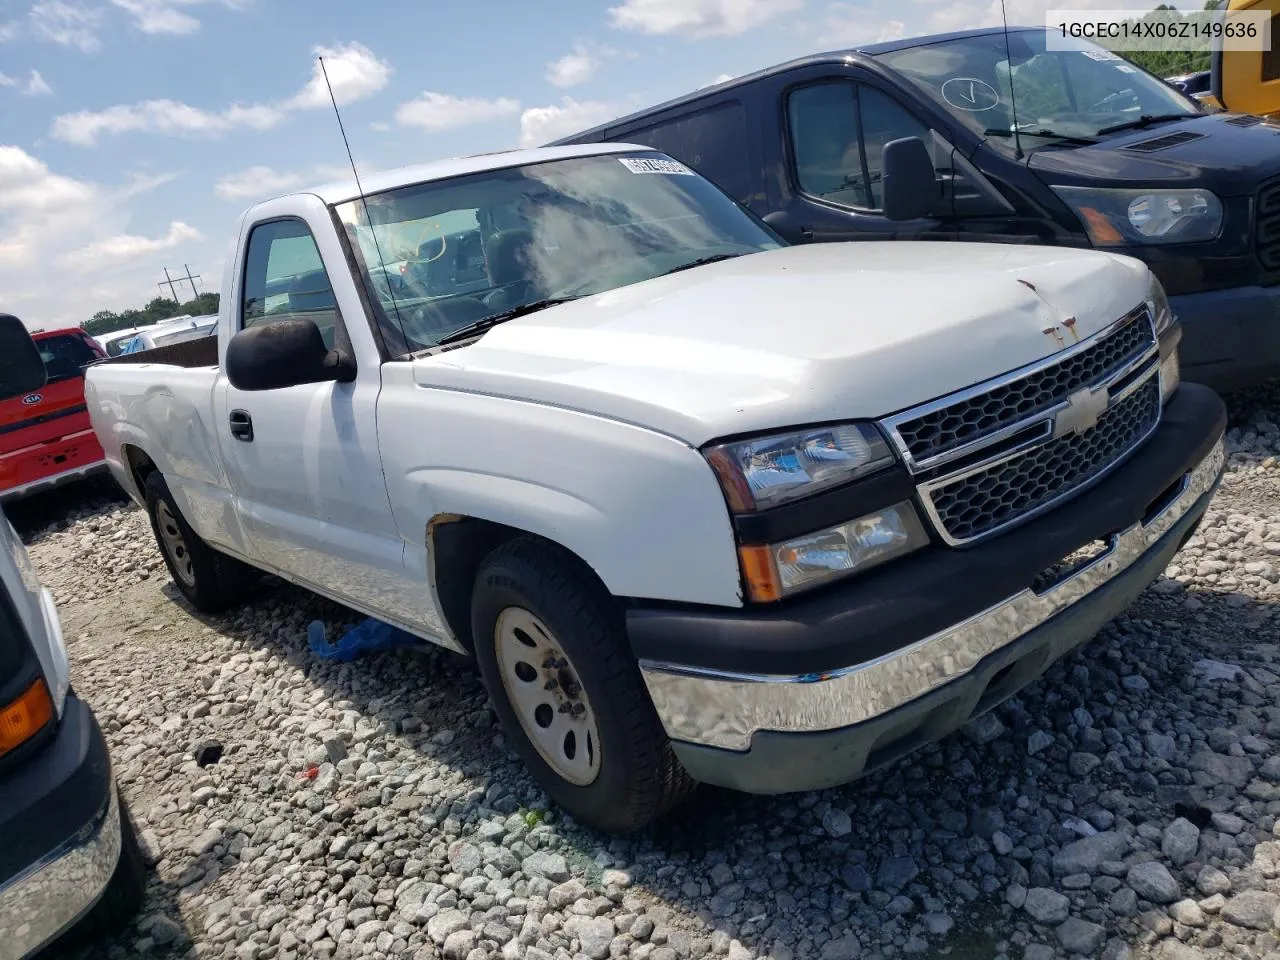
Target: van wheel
<point>125,890</point>
<point>211,581</point>
<point>567,691</point>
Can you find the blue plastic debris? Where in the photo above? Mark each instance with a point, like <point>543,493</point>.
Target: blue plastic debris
<point>368,636</point>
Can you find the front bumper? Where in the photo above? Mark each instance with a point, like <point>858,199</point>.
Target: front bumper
<point>775,732</point>
<point>1230,338</point>
<point>59,834</point>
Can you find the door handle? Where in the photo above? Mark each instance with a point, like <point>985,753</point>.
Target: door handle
<point>241,425</point>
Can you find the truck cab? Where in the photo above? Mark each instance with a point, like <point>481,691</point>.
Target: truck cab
<point>1018,143</point>
<point>1248,81</point>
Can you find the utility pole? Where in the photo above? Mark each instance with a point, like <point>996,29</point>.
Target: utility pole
<point>192,280</point>
<point>169,281</point>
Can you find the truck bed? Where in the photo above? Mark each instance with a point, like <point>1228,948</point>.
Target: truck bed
<point>202,352</point>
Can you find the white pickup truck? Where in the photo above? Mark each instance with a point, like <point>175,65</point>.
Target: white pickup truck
<point>703,505</point>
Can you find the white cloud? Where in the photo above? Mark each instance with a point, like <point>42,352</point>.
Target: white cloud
<point>7,81</point>
<point>850,25</point>
<point>36,85</point>
<point>354,72</point>
<point>28,186</point>
<point>255,182</point>
<point>573,68</point>
<point>440,111</point>
<point>157,16</point>
<point>698,18</point>
<point>124,247</point>
<point>8,30</point>
<point>353,69</point>
<point>539,125</point>
<point>721,78</point>
<point>68,24</point>
<point>171,117</point>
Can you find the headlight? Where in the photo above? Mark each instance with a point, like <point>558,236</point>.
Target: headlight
<point>782,569</point>
<point>764,472</point>
<point>1158,304</point>
<point>1115,218</point>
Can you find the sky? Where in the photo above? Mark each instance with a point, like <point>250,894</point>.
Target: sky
<point>133,133</point>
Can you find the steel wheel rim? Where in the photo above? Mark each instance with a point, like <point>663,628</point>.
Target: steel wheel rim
<point>543,688</point>
<point>174,544</point>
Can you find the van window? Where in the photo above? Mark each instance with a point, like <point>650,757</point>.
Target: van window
<point>832,160</point>
<point>284,277</point>
<point>712,141</point>
<point>883,121</point>
<point>824,139</point>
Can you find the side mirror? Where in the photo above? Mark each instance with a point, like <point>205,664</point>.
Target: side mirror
<point>908,181</point>
<point>21,366</point>
<point>284,353</point>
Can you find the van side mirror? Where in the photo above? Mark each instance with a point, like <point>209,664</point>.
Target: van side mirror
<point>284,353</point>
<point>22,368</point>
<point>908,181</point>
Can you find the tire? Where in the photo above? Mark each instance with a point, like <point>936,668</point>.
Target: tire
<point>125,890</point>
<point>631,776</point>
<point>211,581</point>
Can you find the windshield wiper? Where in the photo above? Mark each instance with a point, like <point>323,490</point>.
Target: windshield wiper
<point>492,321</point>
<point>1144,121</point>
<point>1041,132</point>
<point>701,261</point>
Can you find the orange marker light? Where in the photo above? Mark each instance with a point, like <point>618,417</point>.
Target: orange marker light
<point>25,717</point>
<point>1100,228</point>
<point>763,585</point>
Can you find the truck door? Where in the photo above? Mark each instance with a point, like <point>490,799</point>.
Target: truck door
<point>1248,81</point>
<point>303,460</point>
<point>826,143</point>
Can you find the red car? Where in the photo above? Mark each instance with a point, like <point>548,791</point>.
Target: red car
<point>45,436</point>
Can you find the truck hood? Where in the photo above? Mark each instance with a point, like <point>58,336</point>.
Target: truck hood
<point>1212,152</point>
<point>797,335</point>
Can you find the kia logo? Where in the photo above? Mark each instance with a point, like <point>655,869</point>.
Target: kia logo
<point>32,398</point>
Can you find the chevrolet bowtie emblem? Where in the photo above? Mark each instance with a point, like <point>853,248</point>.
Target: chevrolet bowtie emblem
<point>1083,410</point>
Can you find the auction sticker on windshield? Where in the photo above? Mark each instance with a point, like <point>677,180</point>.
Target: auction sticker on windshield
<point>652,165</point>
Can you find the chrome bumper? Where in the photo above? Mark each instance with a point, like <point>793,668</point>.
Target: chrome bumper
<point>48,898</point>
<point>725,710</point>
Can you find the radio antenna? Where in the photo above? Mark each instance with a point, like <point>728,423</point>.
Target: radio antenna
<point>1013,100</point>
<point>365,205</point>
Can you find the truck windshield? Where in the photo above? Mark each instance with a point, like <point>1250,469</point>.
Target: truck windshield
<point>1060,94</point>
<point>452,253</point>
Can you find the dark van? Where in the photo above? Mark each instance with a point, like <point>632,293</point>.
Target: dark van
<point>940,138</point>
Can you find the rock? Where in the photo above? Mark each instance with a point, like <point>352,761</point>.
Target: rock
<point>1187,913</point>
<point>1038,742</point>
<point>1081,936</point>
<point>1211,880</point>
<point>165,931</point>
<point>984,729</point>
<point>550,866</point>
<point>1235,771</point>
<point>446,923</point>
<point>843,948</point>
<point>1174,950</point>
<point>459,944</point>
<point>1047,906</point>
<point>896,872</point>
<point>1152,881</point>
<point>594,934</point>
<point>564,894</point>
<point>1087,854</point>
<point>1254,909</point>
<point>937,924</point>
<point>465,858</point>
<point>1181,841</point>
<point>1227,823</point>
<point>1123,903</point>
<point>837,823</point>
<point>1083,764</point>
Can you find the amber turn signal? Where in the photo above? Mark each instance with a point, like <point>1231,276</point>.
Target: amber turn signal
<point>25,717</point>
<point>760,573</point>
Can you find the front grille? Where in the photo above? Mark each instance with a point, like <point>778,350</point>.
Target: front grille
<point>1267,230</point>
<point>975,416</point>
<point>979,504</point>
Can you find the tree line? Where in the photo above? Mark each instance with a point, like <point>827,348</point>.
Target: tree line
<point>1169,63</point>
<point>160,308</point>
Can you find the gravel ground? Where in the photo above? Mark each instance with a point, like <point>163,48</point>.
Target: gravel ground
<point>1124,806</point>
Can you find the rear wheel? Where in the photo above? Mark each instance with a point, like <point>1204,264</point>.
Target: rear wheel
<point>554,657</point>
<point>211,581</point>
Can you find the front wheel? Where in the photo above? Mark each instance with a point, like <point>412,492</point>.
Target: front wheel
<point>567,691</point>
<point>211,581</point>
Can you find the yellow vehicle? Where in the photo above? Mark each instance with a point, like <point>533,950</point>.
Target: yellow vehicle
<point>1248,81</point>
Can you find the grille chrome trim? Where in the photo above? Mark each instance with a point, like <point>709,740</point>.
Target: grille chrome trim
<point>892,424</point>
<point>926,490</point>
